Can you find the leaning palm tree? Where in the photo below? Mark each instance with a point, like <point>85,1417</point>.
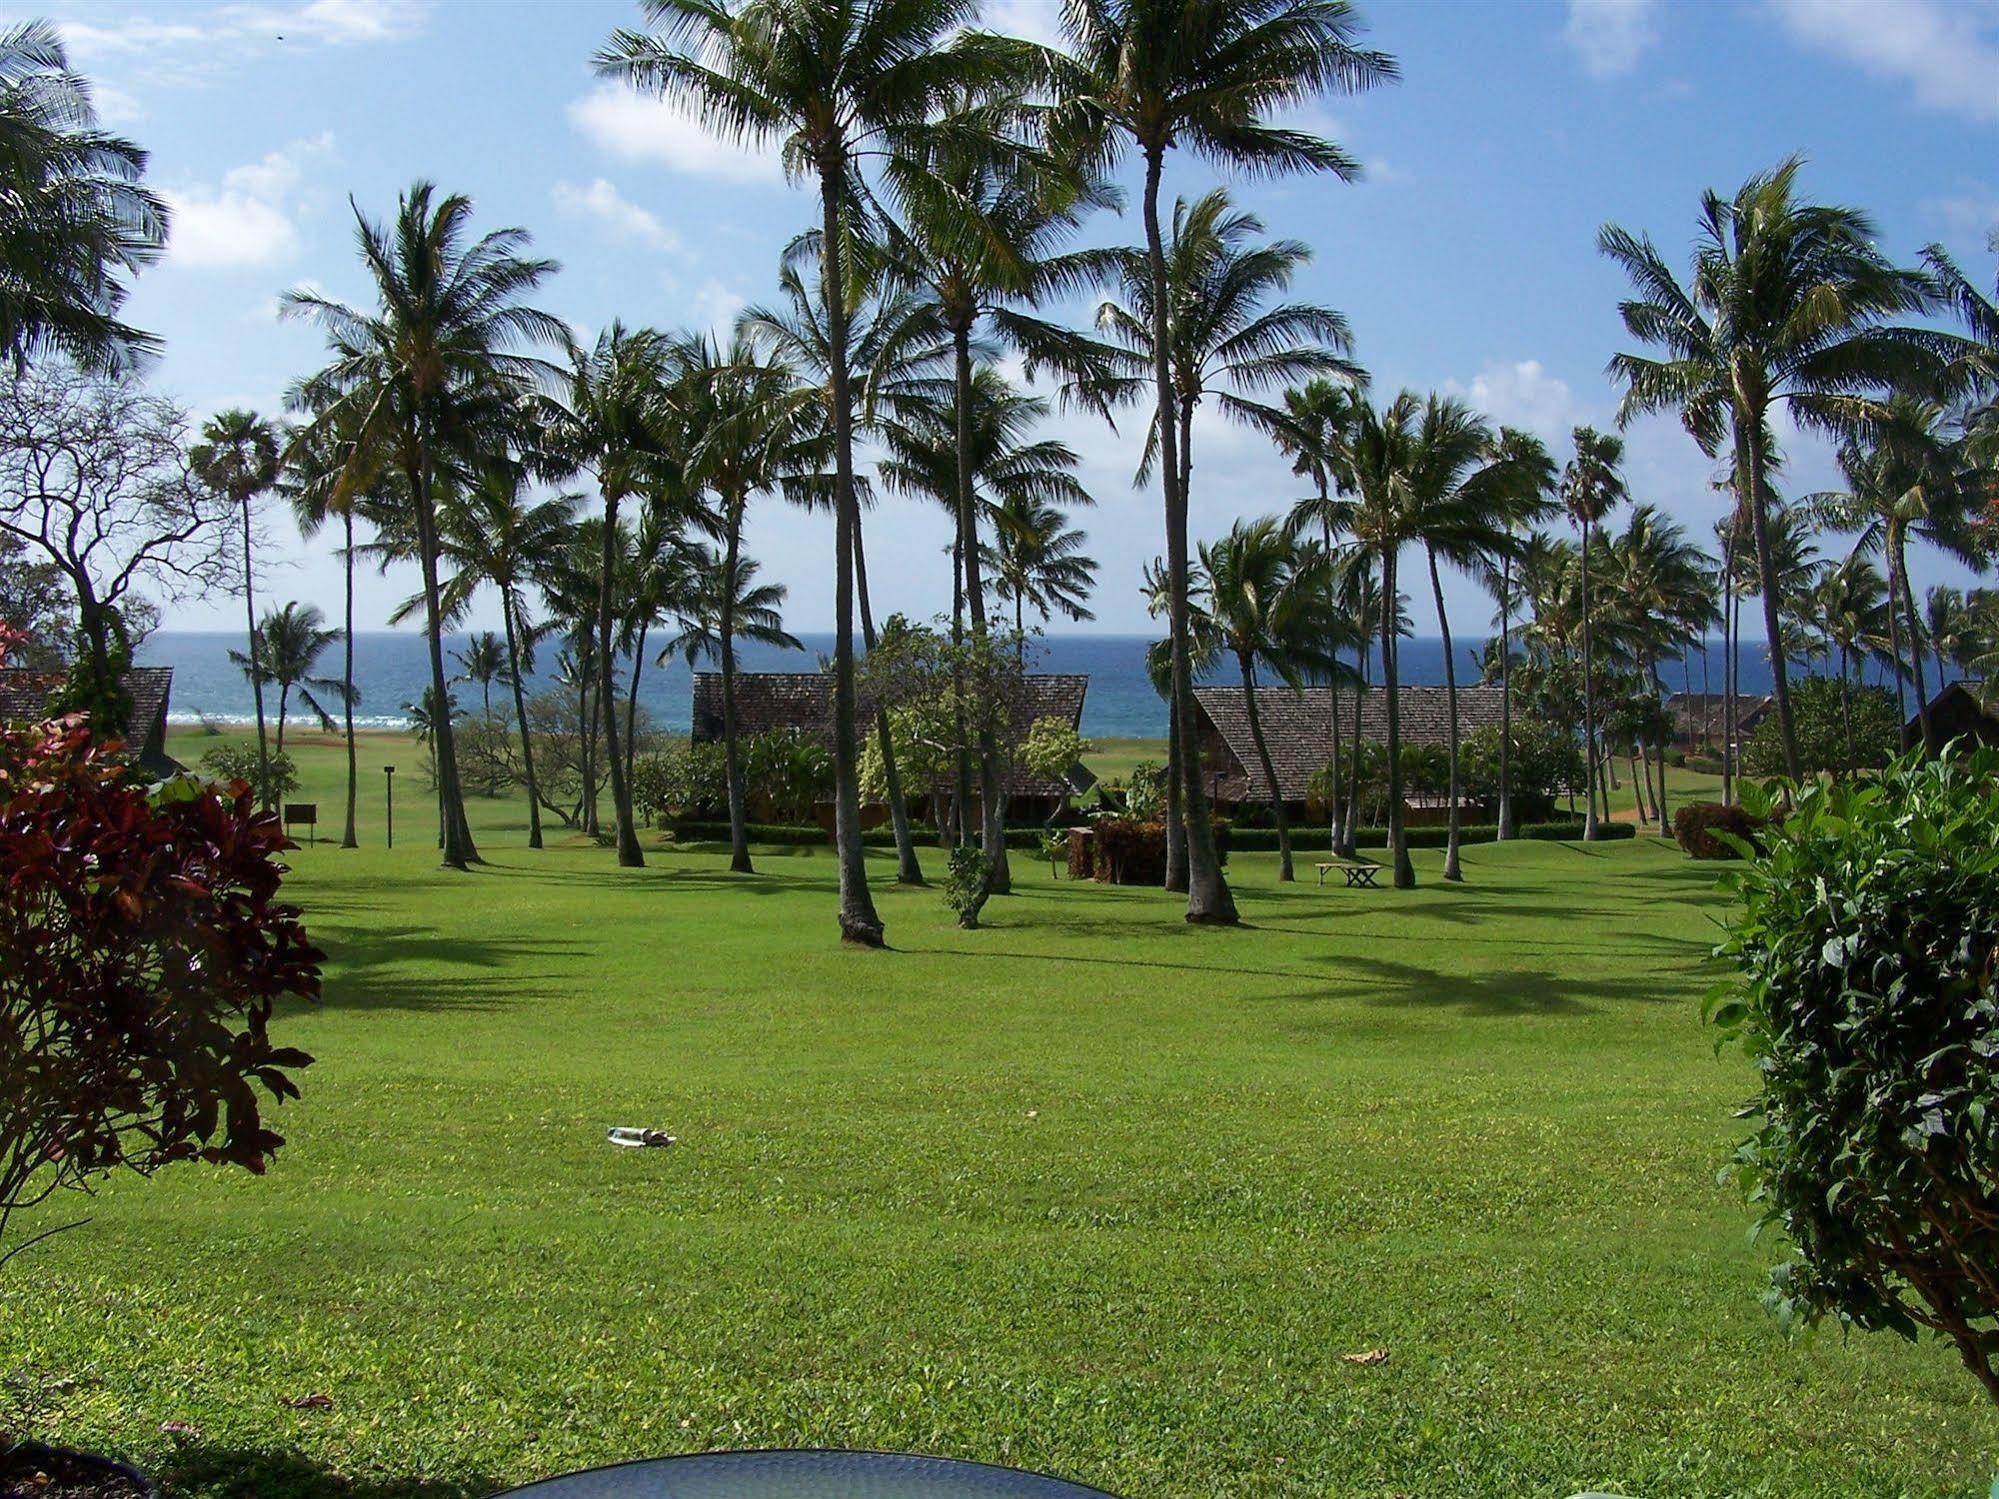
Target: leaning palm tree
<point>426,380</point>
<point>237,457</point>
<point>1205,75</point>
<point>1267,601</point>
<point>78,222</point>
<point>290,642</point>
<point>833,82</point>
<point>1591,488</point>
<point>1037,561</point>
<point>617,427</point>
<point>1788,305</point>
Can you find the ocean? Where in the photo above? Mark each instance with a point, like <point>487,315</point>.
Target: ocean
<point>391,669</point>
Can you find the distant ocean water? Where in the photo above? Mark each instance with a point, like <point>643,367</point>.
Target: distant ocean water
<point>392,668</point>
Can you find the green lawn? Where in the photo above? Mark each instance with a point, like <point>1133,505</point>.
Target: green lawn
<point>1087,1191</point>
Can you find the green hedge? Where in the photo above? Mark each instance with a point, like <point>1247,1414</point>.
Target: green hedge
<point>1264,840</point>
<point>805,835</point>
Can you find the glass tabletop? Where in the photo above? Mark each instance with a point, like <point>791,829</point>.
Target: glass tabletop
<point>805,1475</point>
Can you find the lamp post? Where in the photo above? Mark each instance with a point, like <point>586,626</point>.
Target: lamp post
<point>389,775</point>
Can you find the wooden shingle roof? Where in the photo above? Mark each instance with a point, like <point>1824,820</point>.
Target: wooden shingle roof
<point>1298,726</point>
<point>1705,712</point>
<point>24,697</point>
<point>768,701</point>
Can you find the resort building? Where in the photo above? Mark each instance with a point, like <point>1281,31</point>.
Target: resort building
<point>25,696</point>
<point>1701,718</point>
<point>1956,712</point>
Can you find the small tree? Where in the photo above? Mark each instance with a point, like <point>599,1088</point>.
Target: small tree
<point>1840,728</point>
<point>1867,941</point>
<point>142,950</point>
<point>271,779</point>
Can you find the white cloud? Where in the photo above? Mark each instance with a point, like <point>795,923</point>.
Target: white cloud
<point>1611,35</point>
<point>1971,213</point>
<point>716,306</point>
<point>1948,50</point>
<point>601,200</point>
<point>1523,394</point>
<point>249,219</point>
<point>1034,20</point>
<point>638,128</point>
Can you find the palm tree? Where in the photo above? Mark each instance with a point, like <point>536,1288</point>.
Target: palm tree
<point>1851,607</point>
<point>238,459</point>
<point>617,427</point>
<point>1204,75</point>
<point>427,379</point>
<point>1317,419</point>
<point>1660,598</point>
<point>289,644</point>
<point>1949,622</point>
<point>1204,655</point>
<point>482,661</point>
<point>754,425</point>
<point>1787,306</point>
<point>1038,560</point>
<point>831,81</point>
<point>1267,600</point>
<point>494,533</point>
<point>1591,488</point>
<point>77,222</point>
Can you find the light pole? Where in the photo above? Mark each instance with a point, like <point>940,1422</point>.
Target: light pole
<point>389,774</point>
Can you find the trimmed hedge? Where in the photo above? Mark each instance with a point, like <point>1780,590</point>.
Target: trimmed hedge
<point>1264,840</point>
<point>805,835</point>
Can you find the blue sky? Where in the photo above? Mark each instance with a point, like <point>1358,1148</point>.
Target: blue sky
<point>1465,260</point>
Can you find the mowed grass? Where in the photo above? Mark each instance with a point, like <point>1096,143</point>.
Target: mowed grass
<point>1086,1191</point>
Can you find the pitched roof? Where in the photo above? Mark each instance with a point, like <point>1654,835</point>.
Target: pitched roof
<point>1958,710</point>
<point>1298,726</point>
<point>767,701</point>
<point>24,696</point>
<point>1705,711</point>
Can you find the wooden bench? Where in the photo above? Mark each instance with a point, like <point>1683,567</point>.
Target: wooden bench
<point>1357,871</point>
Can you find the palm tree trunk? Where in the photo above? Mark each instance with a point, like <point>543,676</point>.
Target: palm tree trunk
<point>1506,829</point>
<point>961,800</point>
<point>1659,692</point>
<point>630,856</point>
<point>1453,870</point>
<point>632,710</point>
<point>1750,446</point>
<point>347,837</point>
<point>1915,643</point>
<point>1895,628</point>
<point>992,795</point>
<point>907,870</point>
<point>1731,679</point>
<point>521,719</point>
<point>1208,898</point>
<point>1335,822</point>
<point>858,921</point>
<point>1284,872</point>
<point>284,702</point>
<point>732,751</point>
<point>1353,767</point>
<point>1391,673</point>
<point>1846,705</point>
<point>256,662</point>
<point>458,848</point>
<point>1589,701</point>
<point>1176,825</point>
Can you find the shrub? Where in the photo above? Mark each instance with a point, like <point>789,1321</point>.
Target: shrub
<point>143,947</point>
<point>685,780</point>
<point>1130,852</point>
<point>1053,748</point>
<point>968,881</point>
<point>1866,941</point>
<point>1698,828</point>
<point>1544,760</point>
<point>1820,717</point>
<point>1055,849</point>
<point>230,763</point>
<point>1145,792</point>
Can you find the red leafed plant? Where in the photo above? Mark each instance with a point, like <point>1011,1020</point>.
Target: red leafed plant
<point>142,948</point>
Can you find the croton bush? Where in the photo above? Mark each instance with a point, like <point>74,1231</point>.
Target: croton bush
<point>143,948</point>
<point>1866,942</point>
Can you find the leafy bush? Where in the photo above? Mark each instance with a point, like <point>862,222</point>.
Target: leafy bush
<point>1821,717</point>
<point>230,763</point>
<point>142,948</point>
<point>1055,849</point>
<point>1545,760</point>
<point>1698,828</point>
<point>1130,852</point>
<point>968,881</point>
<point>1145,792</point>
<point>685,780</point>
<point>1867,942</point>
<point>1052,748</point>
<point>785,772</point>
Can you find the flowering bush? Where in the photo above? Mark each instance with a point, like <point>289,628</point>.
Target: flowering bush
<point>142,949</point>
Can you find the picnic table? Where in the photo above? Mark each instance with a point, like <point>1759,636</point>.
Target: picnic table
<point>1357,871</point>
<point>805,1475</point>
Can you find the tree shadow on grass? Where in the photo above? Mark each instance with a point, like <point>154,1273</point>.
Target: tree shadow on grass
<point>372,969</point>
<point>1506,992</point>
<point>259,1473</point>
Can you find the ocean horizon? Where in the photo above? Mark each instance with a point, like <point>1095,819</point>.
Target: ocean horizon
<point>391,669</point>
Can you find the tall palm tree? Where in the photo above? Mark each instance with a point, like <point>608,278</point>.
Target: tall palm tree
<point>833,82</point>
<point>1205,75</point>
<point>1787,306</point>
<point>1038,561</point>
<point>290,642</point>
<point>1267,600</point>
<point>482,661</point>
<point>1591,488</point>
<point>78,219</point>
<point>1851,606</point>
<point>617,427</point>
<point>1660,588</point>
<point>754,425</point>
<point>425,380</point>
<point>237,457</point>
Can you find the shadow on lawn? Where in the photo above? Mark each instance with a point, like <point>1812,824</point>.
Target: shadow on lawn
<point>1509,992</point>
<point>371,968</point>
<point>255,1473</point>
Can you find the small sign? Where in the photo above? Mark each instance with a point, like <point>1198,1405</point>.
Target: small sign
<point>302,812</point>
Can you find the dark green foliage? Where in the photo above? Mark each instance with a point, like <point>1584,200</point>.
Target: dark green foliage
<point>968,881</point>
<point>1867,940</point>
<point>1820,716</point>
<point>1263,840</point>
<point>1544,761</point>
<point>230,763</point>
<point>785,773</point>
<point>1702,829</point>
